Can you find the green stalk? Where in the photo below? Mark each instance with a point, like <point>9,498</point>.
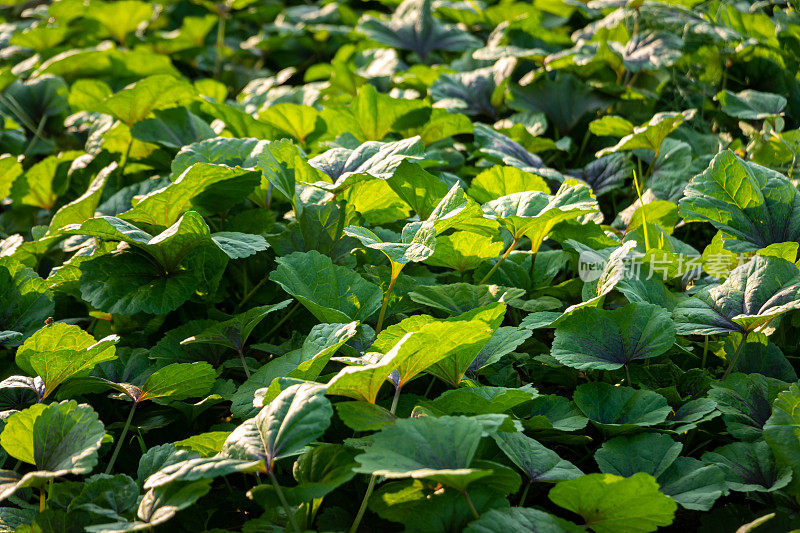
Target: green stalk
<point>282,320</point>
<point>363,508</point>
<point>500,261</point>
<point>220,42</point>
<point>471,505</point>
<point>244,363</point>
<point>121,439</point>
<point>735,358</point>
<point>396,397</point>
<point>252,291</point>
<point>283,501</point>
<point>373,478</point>
<point>644,212</point>
<point>524,494</point>
<point>395,273</point>
<point>42,500</point>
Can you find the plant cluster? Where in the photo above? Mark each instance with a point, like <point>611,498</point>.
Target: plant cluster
<point>431,266</point>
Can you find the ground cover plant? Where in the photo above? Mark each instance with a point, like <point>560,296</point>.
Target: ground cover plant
<point>427,265</point>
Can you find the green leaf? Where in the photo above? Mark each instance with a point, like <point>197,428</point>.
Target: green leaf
<point>533,214</point>
<point>283,428</point>
<point>173,128</point>
<point>107,495</point>
<point>297,121</point>
<point>652,133</point>
<point>369,117</point>
<point>499,181</point>
<point>27,302</point>
<point>206,444</point>
<point>82,208</point>
<point>419,247</point>
<point>624,456</point>
<point>178,381</point>
<point>283,165</point>
<point>209,187</point>
<point>502,148</point>
<point>781,432</point>
<point>753,295</point>
<point>746,402</point>
<point>610,503</point>
<point>120,18</point>
<point>234,332</point>
<point>332,293</point>
<point>608,340</point>
<point>136,102</point>
<point>413,27</point>
<point>306,363</point>
<point>520,519</point>
<point>320,470</point>
<point>752,205</point>
<point>363,380</point>
<point>159,505</point>
<point>692,484</point>
<point>750,467</point>
<point>371,159</point>
<point>58,439</point>
<point>445,348</point>
<point>620,409</point>
<point>157,457</point>
<point>440,449</point>
<point>467,92</point>
<point>480,400</point>
<point>419,189</point>
<point>611,125</point>
<point>364,416</point>
<point>535,460</point>
<point>225,151</point>
<point>59,352</point>
<point>750,104</point>
<point>564,99</point>
<point>464,250</point>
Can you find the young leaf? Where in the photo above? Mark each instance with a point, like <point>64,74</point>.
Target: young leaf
<point>610,503</point>
<point>59,439</point>
<point>59,351</point>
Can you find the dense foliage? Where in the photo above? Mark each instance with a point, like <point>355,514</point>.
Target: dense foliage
<point>433,266</point>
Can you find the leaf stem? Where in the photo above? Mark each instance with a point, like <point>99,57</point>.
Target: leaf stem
<point>252,291</point>
<point>387,294</point>
<point>363,508</point>
<point>283,500</point>
<point>42,499</point>
<point>644,210</point>
<point>282,320</point>
<point>371,485</point>
<point>736,355</point>
<point>220,43</point>
<point>121,439</point>
<point>471,505</point>
<point>394,400</point>
<point>244,363</point>
<point>500,261</point>
<point>524,494</point>
<point>628,376</point>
